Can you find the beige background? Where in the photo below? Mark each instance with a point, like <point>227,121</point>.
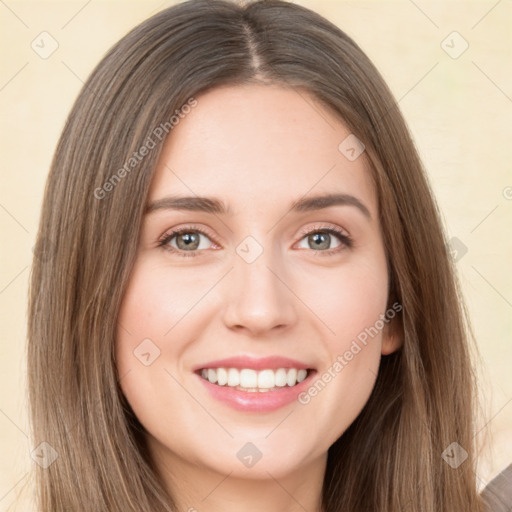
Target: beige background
<point>458,109</point>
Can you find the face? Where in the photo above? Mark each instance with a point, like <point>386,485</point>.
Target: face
<point>271,293</point>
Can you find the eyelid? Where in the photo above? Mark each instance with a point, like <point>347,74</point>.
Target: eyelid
<point>188,227</point>
<point>322,226</point>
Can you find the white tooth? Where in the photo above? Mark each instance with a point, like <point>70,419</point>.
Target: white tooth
<point>233,377</point>
<point>266,379</point>
<point>281,377</point>
<point>248,378</point>
<point>301,375</point>
<point>291,378</point>
<point>222,376</point>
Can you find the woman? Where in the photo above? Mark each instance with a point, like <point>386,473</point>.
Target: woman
<point>243,296</point>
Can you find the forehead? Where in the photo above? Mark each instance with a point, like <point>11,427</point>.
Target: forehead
<point>258,146</point>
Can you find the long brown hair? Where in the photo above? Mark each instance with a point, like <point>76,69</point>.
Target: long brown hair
<point>390,459</point>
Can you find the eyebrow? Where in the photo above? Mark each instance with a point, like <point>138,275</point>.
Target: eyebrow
<point>217,206</point>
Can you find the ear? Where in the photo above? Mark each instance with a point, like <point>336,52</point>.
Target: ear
<point>392,335</point>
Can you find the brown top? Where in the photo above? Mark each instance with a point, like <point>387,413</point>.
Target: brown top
<point>497,494</point>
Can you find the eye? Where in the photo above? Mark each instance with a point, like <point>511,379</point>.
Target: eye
<point>320,238</point>
<point>186,241</point>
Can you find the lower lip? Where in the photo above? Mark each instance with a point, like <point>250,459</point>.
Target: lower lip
<point>257,401</point>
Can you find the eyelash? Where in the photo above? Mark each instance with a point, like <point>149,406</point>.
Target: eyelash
<point>167,237</point>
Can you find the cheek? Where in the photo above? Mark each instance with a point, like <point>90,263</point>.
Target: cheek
<point>348,309</point>
<point>348,299</point>
<point>157,299</point>
<point>150,309</point>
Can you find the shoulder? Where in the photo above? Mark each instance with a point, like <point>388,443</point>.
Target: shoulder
<point>497,494</point>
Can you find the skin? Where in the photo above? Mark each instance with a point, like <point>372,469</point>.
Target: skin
<point>258,148</point>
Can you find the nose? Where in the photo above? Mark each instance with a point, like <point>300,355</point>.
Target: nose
<point>259,297</point>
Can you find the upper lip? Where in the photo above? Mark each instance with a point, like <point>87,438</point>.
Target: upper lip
<point>271,362</point>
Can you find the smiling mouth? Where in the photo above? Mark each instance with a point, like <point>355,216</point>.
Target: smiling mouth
<point>249,380</point>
